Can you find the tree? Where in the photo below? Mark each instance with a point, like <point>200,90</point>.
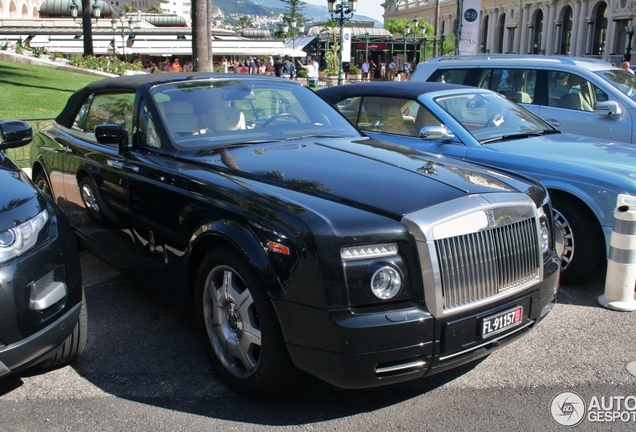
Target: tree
<point>87,27</point>
<point>295,11</point>
<point>128,8</point>
<point>201,35</point>
<point>244,22</point>
<point>155,9</point>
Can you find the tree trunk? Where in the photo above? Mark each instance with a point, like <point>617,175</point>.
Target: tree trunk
<point>87,27</point>
<point>201,36</point>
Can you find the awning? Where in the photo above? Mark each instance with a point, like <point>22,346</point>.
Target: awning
<point>155,45</point>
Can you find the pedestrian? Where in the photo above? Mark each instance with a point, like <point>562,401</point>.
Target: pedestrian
<point>224,65</point>
<point>366,68</point>
<point>311,73</point>
<point>391,70</point>
<point>289,70</point>
<point>176,66</point>
<point>625,66</point>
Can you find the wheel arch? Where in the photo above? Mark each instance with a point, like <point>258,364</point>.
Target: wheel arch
<point>231,234</point>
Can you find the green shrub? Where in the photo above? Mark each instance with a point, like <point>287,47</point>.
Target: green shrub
<point>353,70</point>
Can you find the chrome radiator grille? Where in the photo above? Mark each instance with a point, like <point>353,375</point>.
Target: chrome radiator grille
<point>484,264</point>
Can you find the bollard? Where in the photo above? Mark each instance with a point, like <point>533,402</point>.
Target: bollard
<point>621,265</point>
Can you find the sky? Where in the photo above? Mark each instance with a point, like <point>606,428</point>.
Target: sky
<point>370,8</point>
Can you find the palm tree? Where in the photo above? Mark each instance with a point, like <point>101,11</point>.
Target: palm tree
<point>244,22</point>
<point>201,35</point>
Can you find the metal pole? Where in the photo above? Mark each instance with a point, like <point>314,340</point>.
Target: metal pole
<point>366,48</point>
<point>340,70</point>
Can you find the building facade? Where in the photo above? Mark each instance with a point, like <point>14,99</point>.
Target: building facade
<point>594,28</point>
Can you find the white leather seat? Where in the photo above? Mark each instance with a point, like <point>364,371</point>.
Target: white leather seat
<point>226,119</point>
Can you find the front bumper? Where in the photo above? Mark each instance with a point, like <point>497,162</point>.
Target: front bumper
<point>36,347</point>
<point>352,349</point>
<point>40,297</point>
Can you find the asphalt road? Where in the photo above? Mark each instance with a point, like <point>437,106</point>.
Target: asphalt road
<point>144,369</point>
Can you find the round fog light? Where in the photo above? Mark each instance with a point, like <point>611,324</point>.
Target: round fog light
<point>386,283</point>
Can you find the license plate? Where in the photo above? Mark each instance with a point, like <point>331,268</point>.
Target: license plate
<point>501,322</point>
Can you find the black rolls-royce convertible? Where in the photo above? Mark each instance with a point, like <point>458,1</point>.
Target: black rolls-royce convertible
<point>297,242</point>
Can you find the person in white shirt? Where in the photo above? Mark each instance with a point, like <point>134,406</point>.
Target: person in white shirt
<point>365,69</point>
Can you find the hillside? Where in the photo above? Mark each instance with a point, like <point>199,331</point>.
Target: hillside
<point>273,8</point>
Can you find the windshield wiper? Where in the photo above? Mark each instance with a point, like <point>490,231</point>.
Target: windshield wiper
<point>521,135</point>
<point>312,136</point>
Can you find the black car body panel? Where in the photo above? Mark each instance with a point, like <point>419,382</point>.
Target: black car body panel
<point>41,285</point>
<point>291,199</point>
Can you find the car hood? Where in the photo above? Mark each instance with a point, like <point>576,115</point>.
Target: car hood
<point>363,173</point>
<point>19,200</point>
<point>568,149</point>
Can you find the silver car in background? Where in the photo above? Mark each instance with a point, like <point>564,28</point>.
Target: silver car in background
<point>577,95</point>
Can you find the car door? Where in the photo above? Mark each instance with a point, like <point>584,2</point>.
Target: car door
<point>570,108</point>
<point>96,192</point>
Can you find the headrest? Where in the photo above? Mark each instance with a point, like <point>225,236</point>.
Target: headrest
<point>177,107</point>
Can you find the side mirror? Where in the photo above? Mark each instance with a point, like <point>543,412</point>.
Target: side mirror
<point>14,133</point>
<point>436,133</point>
<point>110,134</point>
<point>607,108</point>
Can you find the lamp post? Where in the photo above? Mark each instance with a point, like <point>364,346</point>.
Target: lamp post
<point>407,30</point>
<point>341,11</point>
<point>425,42</point>
<point>416,25</point>
<point>366,45</point>
<point>87,26</point>
<point>629,29</point>
<point>301,29</point>
<point>125,24</point>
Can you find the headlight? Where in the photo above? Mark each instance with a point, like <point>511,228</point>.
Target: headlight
<point>19,239</point>
<point>544,237</point>
<point>386,283</point>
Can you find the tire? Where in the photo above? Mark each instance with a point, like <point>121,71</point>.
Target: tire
<point>94,202</point>
<point>74,345</point>
<point>579,240</point>
<point>43,184</point>
<point>239,327</point>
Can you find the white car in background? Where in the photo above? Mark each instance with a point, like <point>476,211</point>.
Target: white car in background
<point>578,95</point>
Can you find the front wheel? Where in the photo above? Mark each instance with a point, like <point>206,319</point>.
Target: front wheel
<point>239,326</point>
<point>579,240</point>
<point>74,344</point>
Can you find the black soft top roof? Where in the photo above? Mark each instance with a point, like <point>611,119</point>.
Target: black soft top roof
<point>397,89</point>
<point>131,83</point>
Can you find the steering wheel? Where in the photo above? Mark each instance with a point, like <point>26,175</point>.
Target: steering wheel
<point>277,116</point>
<point>495,121</point>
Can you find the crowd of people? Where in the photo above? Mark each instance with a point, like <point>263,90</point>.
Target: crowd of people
<point>382,71</point>
<point>286,67</point>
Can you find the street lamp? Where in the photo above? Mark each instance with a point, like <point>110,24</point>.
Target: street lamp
<point>407,30</point>
<point>341,11</point>
<point>629,29</point>
<point>301,29</point>
<point>87,29</point>
<point>415,32</point>
<point>125,24</point>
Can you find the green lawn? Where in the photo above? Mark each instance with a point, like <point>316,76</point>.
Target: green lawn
<point>36,91</point>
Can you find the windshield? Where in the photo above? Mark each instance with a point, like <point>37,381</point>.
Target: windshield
<point>623,80</point>
<point>208,113</point>
<point>490,117</point>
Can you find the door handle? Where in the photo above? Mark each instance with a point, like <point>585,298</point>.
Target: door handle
<point>121,165</point>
